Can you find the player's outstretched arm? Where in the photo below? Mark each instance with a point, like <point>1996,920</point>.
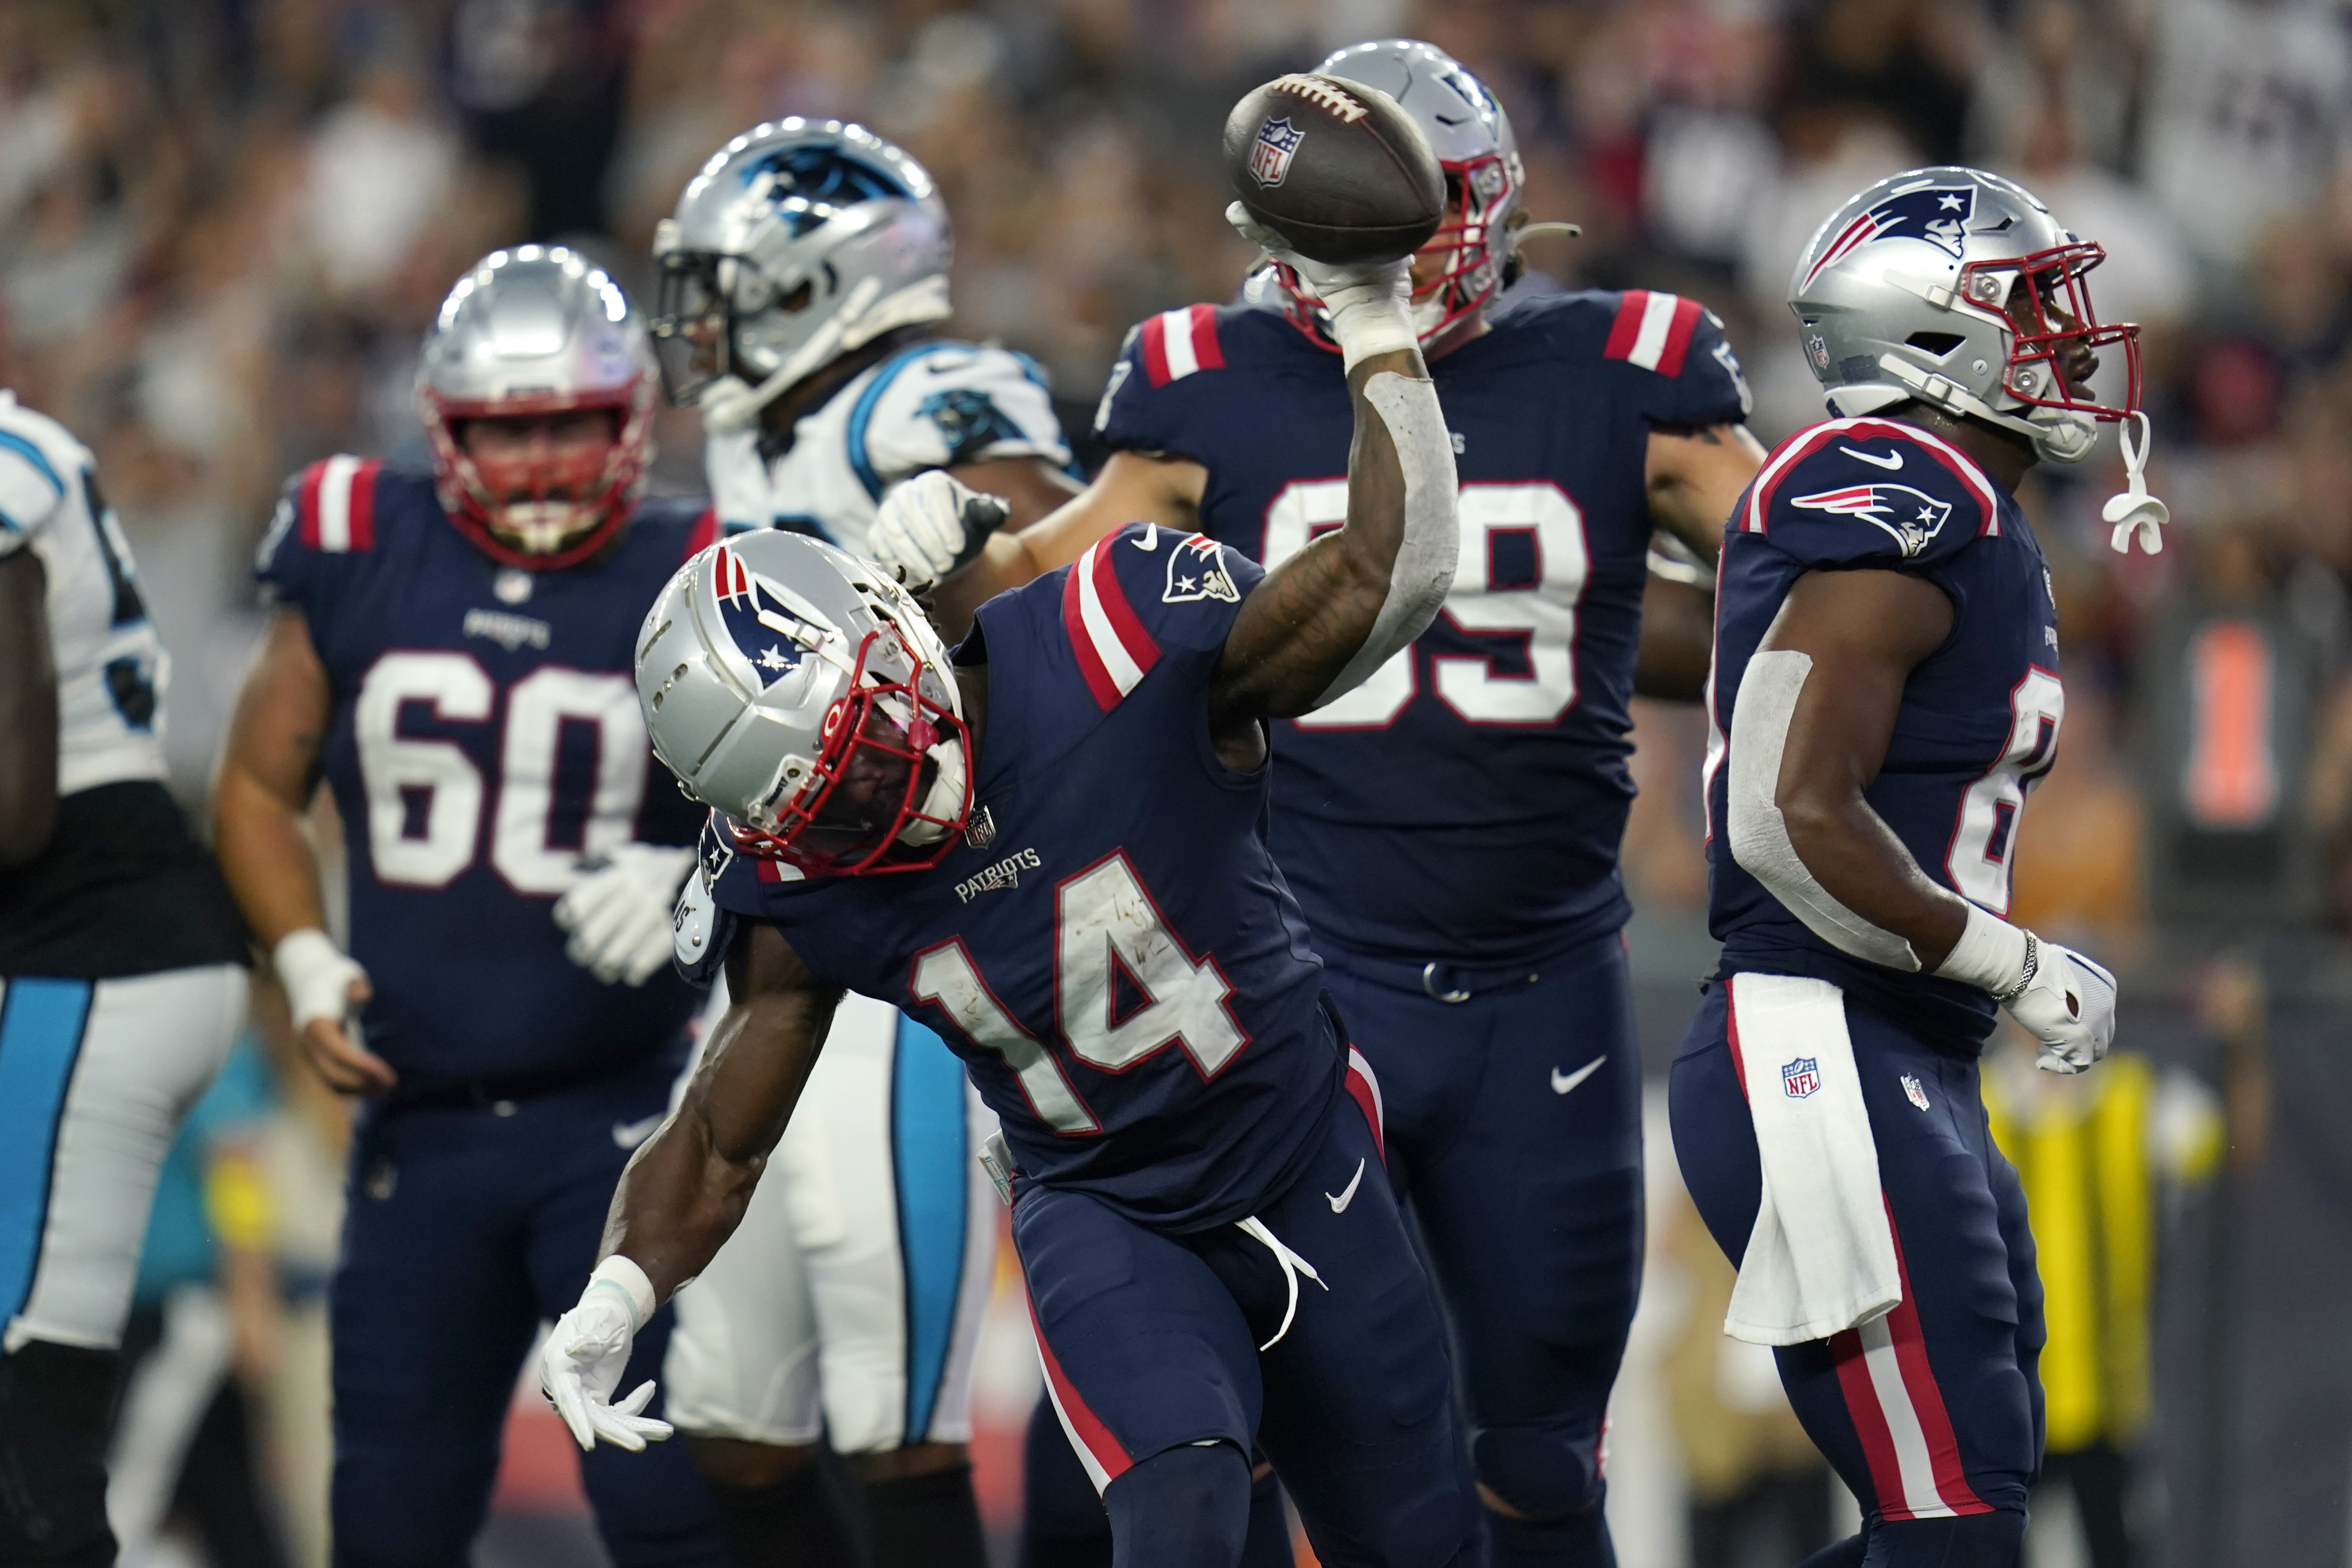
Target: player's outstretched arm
<point>268,767</point>
<point>1131,488</point>
<point>28,712</point>
<point>1321,622</point>
<point>685,1189</point>
<point>1816,708</point>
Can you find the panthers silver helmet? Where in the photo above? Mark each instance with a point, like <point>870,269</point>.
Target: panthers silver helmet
<point>1957,288</point>
<point>799,240</point>
<point>804,695</point>
<point>532,330</point>
<point>1476,246</point>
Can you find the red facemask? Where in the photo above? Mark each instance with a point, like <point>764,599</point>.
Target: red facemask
<point>2057,305</point>
<point>543,513</point>
<point>871,782</point>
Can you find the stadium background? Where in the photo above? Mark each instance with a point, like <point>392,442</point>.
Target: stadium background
<point>224,223</point>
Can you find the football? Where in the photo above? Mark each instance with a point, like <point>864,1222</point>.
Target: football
<point>1335,168</point>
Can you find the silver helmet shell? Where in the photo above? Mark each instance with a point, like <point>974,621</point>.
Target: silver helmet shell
<point>798,241</point>
<point>1483,174</point>
<point>538,330</point>
<point>1906,293</point>
<point>768,668</point>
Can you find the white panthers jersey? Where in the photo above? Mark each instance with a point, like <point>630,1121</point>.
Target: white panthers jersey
<point>110,666</point>
<point>936,404</point>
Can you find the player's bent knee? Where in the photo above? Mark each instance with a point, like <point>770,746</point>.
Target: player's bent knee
<point>1534,1474</point>
<point>54,1400</point>
<point>1181,1508</point>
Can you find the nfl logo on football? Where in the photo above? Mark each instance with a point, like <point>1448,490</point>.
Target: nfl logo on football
<point>1801,1078</point>
<point>1277,143</point>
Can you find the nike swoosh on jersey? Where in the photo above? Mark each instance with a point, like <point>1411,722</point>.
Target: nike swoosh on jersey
<point>1891,461</point>
<point>629,1134</point>
<point>1348,1194</point>
<point>1561,1082</point>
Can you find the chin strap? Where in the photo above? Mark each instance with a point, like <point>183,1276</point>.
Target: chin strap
<point>730,404</point>
<point>2132,509</point>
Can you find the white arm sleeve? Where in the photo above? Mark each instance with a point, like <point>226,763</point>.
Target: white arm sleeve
<point>1425,556</point>
<point>1760,835</point>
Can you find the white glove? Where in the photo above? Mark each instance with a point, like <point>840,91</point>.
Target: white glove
<point>2057,996</point>
<point>930,525</point>
<point>2069,1006</point>
<point>1370,302</point>
<point>618,914</point>
<point>586,1353</point>
<point>317,976</point>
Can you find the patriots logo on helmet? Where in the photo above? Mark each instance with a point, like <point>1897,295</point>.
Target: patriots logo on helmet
<point>1936,214</point>
<point>766,632</point>
<point>1276,144</point>
<point>1911,518</point>
<point>1196,571</point>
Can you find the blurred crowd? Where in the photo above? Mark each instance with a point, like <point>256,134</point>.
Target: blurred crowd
<point>224,224</point>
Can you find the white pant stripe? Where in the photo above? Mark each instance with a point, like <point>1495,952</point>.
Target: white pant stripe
<point>1911,1460</point>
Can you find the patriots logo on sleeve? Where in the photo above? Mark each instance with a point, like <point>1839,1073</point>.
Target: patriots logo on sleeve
<point>1196,571</point>
<point>1936,214</point>
<point>1911,518</point>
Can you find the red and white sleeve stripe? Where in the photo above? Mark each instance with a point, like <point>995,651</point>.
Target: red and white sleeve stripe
<point>1114,653</point>
<point>1177,343</point>
<point>1653,330</point>
<point>337,505</point>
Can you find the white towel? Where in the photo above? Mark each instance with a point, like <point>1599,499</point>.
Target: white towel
<point>1821,1258</point>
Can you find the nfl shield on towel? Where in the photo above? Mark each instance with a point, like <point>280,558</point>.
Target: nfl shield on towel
<point>1801,1078</point>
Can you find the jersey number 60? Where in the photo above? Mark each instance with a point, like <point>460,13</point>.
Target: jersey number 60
<point>426,797</point>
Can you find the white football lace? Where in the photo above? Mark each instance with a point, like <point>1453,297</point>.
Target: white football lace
<point>1322,95</point>
<point>1292,1266</point>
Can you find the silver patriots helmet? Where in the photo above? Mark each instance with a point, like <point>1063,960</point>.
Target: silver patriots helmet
<point>1476,245</point>
<point>801,693</point>
<point>538,330</point>
<point>1957,288</point>
<point>799,240</point>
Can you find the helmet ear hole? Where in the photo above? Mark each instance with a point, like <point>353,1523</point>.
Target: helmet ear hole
<point>1935,343</point>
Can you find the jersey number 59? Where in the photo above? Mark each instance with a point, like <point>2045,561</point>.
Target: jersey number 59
<point>426,800</point>
<point>1543,615</point>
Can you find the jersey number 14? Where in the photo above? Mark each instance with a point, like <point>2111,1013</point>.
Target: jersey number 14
<point>1106,927</point>
<point>1543,615</point>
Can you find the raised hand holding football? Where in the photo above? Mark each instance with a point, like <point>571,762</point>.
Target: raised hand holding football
<point>1335,169</point>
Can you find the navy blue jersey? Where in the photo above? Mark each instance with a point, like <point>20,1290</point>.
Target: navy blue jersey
<point>1978,723</point>
<point>1111,951</point>
<point>484,737</point>
<point>1466,803</point>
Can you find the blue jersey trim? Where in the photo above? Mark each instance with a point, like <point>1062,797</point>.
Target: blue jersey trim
<point>12,442</point>
<point>863,414</point>
<point>930,1158</point>
<point>41,1027</point>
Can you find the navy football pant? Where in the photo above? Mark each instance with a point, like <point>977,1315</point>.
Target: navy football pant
<point>1934,1412</point>
<point>467,1226</point>
<point>1151,1343</point>
<point>1514,1124</point>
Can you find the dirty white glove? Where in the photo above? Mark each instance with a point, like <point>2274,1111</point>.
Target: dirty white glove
<point>618,914</point>
<point>587,1350</point>
<point>930,525</point>
<point>1370,302</point>
<point>2057,996</point>
<point>317,976</point>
